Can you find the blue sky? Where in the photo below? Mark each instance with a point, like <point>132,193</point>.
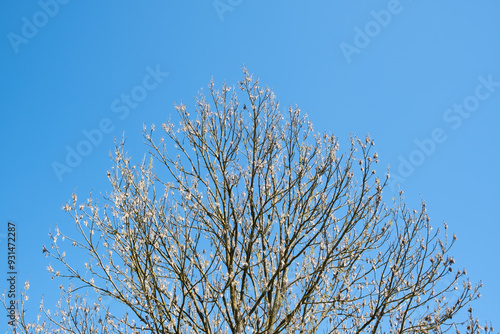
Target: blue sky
<point>421,77</point>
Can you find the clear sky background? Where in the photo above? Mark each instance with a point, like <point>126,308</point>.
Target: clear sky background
<point>421,77</point>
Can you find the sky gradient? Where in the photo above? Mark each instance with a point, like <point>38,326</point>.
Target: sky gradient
<point>421,77</point>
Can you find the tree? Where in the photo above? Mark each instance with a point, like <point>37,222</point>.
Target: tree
<point>242,220</point>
